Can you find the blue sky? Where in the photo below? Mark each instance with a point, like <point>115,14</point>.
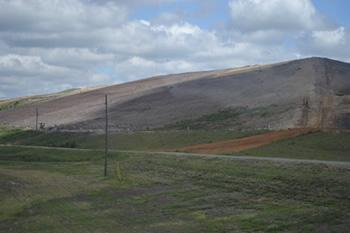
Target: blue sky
<point>338,10</point>
<point>217,12</point>
<point>65,44</point>
<point>206,14</point>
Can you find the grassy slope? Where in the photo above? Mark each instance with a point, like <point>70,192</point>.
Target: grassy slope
<point>17,102</point>
<point>233,118</point>
<point>321,145</point>
<point>157,193</point>
<point>156,140</point>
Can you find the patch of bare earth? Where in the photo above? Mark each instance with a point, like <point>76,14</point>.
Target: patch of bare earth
<point>241,144</point>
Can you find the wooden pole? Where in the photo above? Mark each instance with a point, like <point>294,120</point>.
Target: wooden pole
<point>106,135</point>
<point>36,118</point>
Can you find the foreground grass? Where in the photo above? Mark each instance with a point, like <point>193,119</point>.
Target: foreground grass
<point>320,145</point>
<point>161,193</point>
<point>153,140</point>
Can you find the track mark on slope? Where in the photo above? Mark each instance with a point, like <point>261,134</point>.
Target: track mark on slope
<point>241,144</point>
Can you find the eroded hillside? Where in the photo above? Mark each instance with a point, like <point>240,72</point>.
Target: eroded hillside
<point>307,93</point>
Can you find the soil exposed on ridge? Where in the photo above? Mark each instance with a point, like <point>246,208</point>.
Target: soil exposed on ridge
<point>241,144</point>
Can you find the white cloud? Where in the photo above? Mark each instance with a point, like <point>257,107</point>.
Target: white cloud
<point>294,27</point>
<point>14,64</point>
<point>137,67</point>
<point>329,38</point>
<point>327,43</point>
<point>185,47</point>
<point>74,57</point>
<point>48,45</point>
<point>58,16</point>
<point>28,75</point>
<point>259,15</point>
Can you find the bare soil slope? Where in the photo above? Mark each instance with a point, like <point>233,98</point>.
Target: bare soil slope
<point>69,110</point>
<point>237,145</point>
<point>307,93</point>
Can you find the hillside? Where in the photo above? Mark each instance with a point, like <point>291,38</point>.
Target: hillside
<point>311,93</point>
<point>9,104</point>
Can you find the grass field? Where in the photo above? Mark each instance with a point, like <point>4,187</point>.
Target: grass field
<point>320,145</point>
<point>153,140</point>
<point>47,190</point>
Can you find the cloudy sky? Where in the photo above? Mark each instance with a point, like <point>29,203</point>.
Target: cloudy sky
<point>52,45</point>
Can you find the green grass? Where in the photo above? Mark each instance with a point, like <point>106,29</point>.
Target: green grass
<point>14,153</point>
<point>154,140</point>
<point>321,146</point>
<point>64,191</point>
<point>9,105</point>
<point>228,118</point>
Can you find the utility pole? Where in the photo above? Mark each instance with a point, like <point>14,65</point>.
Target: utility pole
<point>36,118</point>
<point>106,135</point>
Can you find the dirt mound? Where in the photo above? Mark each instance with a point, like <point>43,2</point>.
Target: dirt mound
<point>237,145</point>
<point>307,93</point>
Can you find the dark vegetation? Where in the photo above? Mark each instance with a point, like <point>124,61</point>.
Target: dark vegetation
<point>232,118</point>
<point>9,105</point>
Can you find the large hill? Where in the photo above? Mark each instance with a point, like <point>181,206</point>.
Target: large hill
<point>312,92</point>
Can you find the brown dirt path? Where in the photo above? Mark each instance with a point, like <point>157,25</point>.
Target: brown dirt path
<point>241,144</point>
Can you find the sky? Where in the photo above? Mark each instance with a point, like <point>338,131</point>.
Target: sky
<point>51,45</point>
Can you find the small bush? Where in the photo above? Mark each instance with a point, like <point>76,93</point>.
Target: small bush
<point>70,144</point>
